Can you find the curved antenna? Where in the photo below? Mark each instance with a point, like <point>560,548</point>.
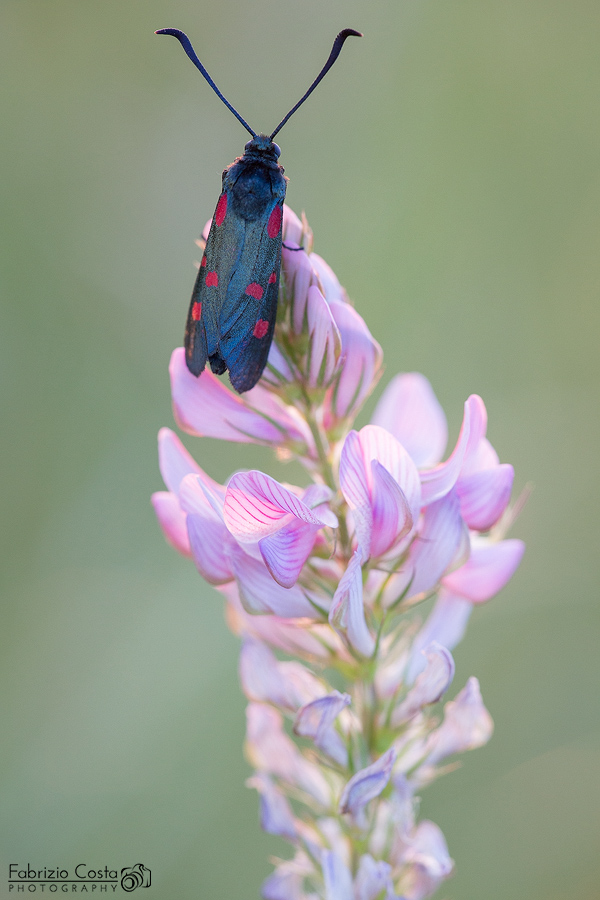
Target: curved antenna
<point>335,52</point>
<point>187,46</point>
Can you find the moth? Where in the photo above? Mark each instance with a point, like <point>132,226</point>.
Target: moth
<point>233,309</point>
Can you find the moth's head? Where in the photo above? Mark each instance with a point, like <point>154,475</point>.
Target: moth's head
<point>262,145</point>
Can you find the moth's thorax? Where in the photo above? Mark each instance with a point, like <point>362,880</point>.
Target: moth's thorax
<point>255,179</point>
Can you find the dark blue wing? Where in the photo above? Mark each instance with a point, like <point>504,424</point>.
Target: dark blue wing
<point>247,317</point>
<point>221,257</point>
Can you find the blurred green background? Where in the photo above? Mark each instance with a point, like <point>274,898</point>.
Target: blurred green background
<point>450,168</point>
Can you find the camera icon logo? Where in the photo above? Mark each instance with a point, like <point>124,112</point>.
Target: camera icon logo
<point>135,877</point>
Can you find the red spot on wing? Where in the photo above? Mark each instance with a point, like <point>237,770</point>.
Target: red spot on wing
<point>197,312</point>
<point>221,209</point>
<point>255,290</point>
<point>212,279</point>
<point>272,278</point>
<point>274,223</point>
<point>203,261</point>
<point>261,328</point>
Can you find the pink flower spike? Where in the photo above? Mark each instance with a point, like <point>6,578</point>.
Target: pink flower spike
<point>347,614</point>
<point>409,410</point>
<point>360,365</point>
<point>172,520</point>
<point>276,816</point>
<point>338,880</point>
<point>488,569</point>
<point>484,496</point>
<point>325,344</point>
<point>430,685</point>
<point>367,784</point>
<point>437,482</point>
<point>467,725</point>
<point>204,407</point>
<point>256,505</point>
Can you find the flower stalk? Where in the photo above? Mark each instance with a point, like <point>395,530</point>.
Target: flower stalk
<point>324,584</point>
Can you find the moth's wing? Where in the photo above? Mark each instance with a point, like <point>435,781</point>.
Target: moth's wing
<point>247,318</point>
<point>221,257</point>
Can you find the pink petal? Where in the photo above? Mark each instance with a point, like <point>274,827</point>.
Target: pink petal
<point>429,861</point>
<point>437,482</point>
<point>172,520</point>
<point>299,276</point>
<point>367,784</point>
<point>259,593</point>
<point>210,542</point>
<point>325,343</point>
<point>204,407</point>
<point>467,725</point>
<point>285,883</point>
<point>440,537</point>
<point>360,365</point>
<point>392,518</point>
<point>334,292</point>
<point>373,877</point>
<point>446,625</point>
<point>264,678</point>
<point>315,720</point>
<point>279,363</point>
<point>293,230</point>
<point>260,676</point>
<point>276,816</point>
<point>377,443</point>
<point>488,569</point>
<point>270,750</point>
<point>484,496</point>
<point>286,551</point>
<point>338,880</point>
<point>410,411</point>
<point>431,683</point>
<point>174,460</point>
<point>354,474</point>
<point>367,490</point>
<point>257,505</point>
<point>297,637</point>
<point>198,495</point>
<point>347,614</point>
<point>483,456</point>
<point>315,495</point>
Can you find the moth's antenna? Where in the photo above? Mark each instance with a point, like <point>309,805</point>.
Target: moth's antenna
<point>335,52</point>
<point>187,46</point>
